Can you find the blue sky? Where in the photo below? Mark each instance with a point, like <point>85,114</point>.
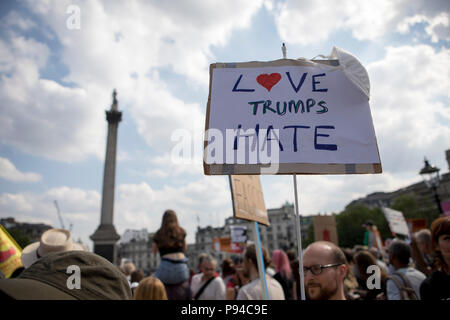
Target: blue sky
<point>56,83</point>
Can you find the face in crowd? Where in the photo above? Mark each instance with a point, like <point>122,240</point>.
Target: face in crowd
<point>323,275</point>
<point>208,268</point>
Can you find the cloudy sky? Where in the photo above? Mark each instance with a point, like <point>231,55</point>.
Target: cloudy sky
<point>57,73</point>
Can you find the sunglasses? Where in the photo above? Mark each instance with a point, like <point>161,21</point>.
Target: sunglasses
<point>317,268</point>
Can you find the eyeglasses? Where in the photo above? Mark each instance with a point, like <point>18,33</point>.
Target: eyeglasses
<point>317,268</point>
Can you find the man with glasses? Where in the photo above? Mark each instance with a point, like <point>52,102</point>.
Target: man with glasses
<point>324,269</point>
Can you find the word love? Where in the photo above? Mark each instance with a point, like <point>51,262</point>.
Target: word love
<point>268,81</point>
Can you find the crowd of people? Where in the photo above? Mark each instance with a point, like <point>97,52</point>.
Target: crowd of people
<point>416,269</point>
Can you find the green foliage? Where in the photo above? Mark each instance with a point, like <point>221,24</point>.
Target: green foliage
<point>349,224</point>
<point>309,238</point>
<point>20,237</point>
<point>412,208</point>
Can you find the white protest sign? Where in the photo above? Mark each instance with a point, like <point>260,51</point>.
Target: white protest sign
<point>238,234</point>
<point>305,117</point>
<point>396,221</point>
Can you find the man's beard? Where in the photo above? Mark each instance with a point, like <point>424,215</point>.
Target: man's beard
<point>324,293</point>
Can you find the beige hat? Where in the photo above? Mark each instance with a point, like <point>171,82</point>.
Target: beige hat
<point>52,240</point>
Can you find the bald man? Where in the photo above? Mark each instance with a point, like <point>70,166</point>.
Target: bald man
<point>325,268</point>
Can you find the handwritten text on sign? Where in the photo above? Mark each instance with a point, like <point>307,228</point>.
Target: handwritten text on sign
<point>310,114</point>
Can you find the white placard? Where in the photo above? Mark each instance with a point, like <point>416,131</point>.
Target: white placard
<point>397,222</point>
<point>238,234</point>
<point>314,115</point>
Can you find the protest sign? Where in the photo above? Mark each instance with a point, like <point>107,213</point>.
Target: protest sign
<point>248,199</point>
<point>445,205</point>
<point>238,234</point>
<point>396,221</point>
<point>416,224</point>
<point>287,116</point>
<point>325,229</point>
<point>224,244</point>
<point>10,253</point>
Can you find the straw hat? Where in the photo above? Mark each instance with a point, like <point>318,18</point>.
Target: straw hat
<point>52,240</point>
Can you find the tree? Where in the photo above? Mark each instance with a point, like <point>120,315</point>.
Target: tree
<point>19,236</point>
<point>349,224</point>
<point>412,208</point>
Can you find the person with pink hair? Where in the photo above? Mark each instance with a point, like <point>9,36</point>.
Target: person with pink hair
<point>283,272</point>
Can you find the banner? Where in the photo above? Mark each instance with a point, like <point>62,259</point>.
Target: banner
<point>416,224</point>
<point>445,205</point>
<point>396,221</point>
<point>238,234</point>
<point>325,229</point>
<point>287,116</point>
<point>224,244</point>
<point>10,253</point>
<point>248,199</point>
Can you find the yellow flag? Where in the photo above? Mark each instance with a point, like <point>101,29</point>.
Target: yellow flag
<point>10,253</point>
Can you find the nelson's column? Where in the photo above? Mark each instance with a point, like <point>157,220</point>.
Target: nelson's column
<point>105,237</point>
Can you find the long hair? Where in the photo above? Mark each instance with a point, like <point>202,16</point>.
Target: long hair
<point>439,227</point>
<point>150,288</point>
<point>364,259</point>
<point>282,265</point>
<point>170,234</point>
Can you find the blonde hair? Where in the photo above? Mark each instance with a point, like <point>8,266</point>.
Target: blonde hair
<point>150,288</point>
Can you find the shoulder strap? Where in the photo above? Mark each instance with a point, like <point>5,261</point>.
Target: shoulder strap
<point>406,291</point>
<point>200,291</point>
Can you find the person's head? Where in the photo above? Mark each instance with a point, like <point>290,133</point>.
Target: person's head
<point>348,255</point>
<point>170,234</point>
<point>251,262</point>
<point>375,253</point>
<point>399,254</point>
<point>52,240</point>
<point>129,268</point>
<point>423,239</point>
<point>150,288</point>
<point>363,260</point>
<point>209,265</point>
<point>69,275</point>
<point>368,225</point>
<point>291,255</point>
<point>137,276</point>
<point>281,262</point>
<point>440,242</point>
<point>228,267</point>
<point>325,269</point>
<point>200,260</point>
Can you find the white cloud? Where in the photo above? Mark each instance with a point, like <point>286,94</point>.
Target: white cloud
<point>410,95</point>
<point>136,206</point>
<point>40,116</point>
<point>311,22</point>
<point>9,172</point>
<point>45,118</point>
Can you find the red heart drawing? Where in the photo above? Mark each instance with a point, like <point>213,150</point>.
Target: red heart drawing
<point>268,80</point>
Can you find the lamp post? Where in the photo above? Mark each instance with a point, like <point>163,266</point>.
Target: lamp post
<point>430,175</point>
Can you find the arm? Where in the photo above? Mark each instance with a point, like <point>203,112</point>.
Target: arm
<point>220,292</point>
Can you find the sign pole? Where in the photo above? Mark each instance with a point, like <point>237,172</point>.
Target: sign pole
<point>297,221</point>
<point>299,241</point>
<point>261,267</point>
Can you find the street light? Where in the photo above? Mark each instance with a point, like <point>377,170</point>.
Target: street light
<point>430,175</point>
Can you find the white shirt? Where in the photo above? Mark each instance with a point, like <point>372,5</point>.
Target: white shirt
<point>214,291</point>
<point>253,291</point>
<point>414,276</point>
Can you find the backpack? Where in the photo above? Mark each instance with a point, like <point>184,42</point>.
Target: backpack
<point>406,290</point>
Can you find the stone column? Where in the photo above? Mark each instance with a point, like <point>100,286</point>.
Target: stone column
<point>105,237</point>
